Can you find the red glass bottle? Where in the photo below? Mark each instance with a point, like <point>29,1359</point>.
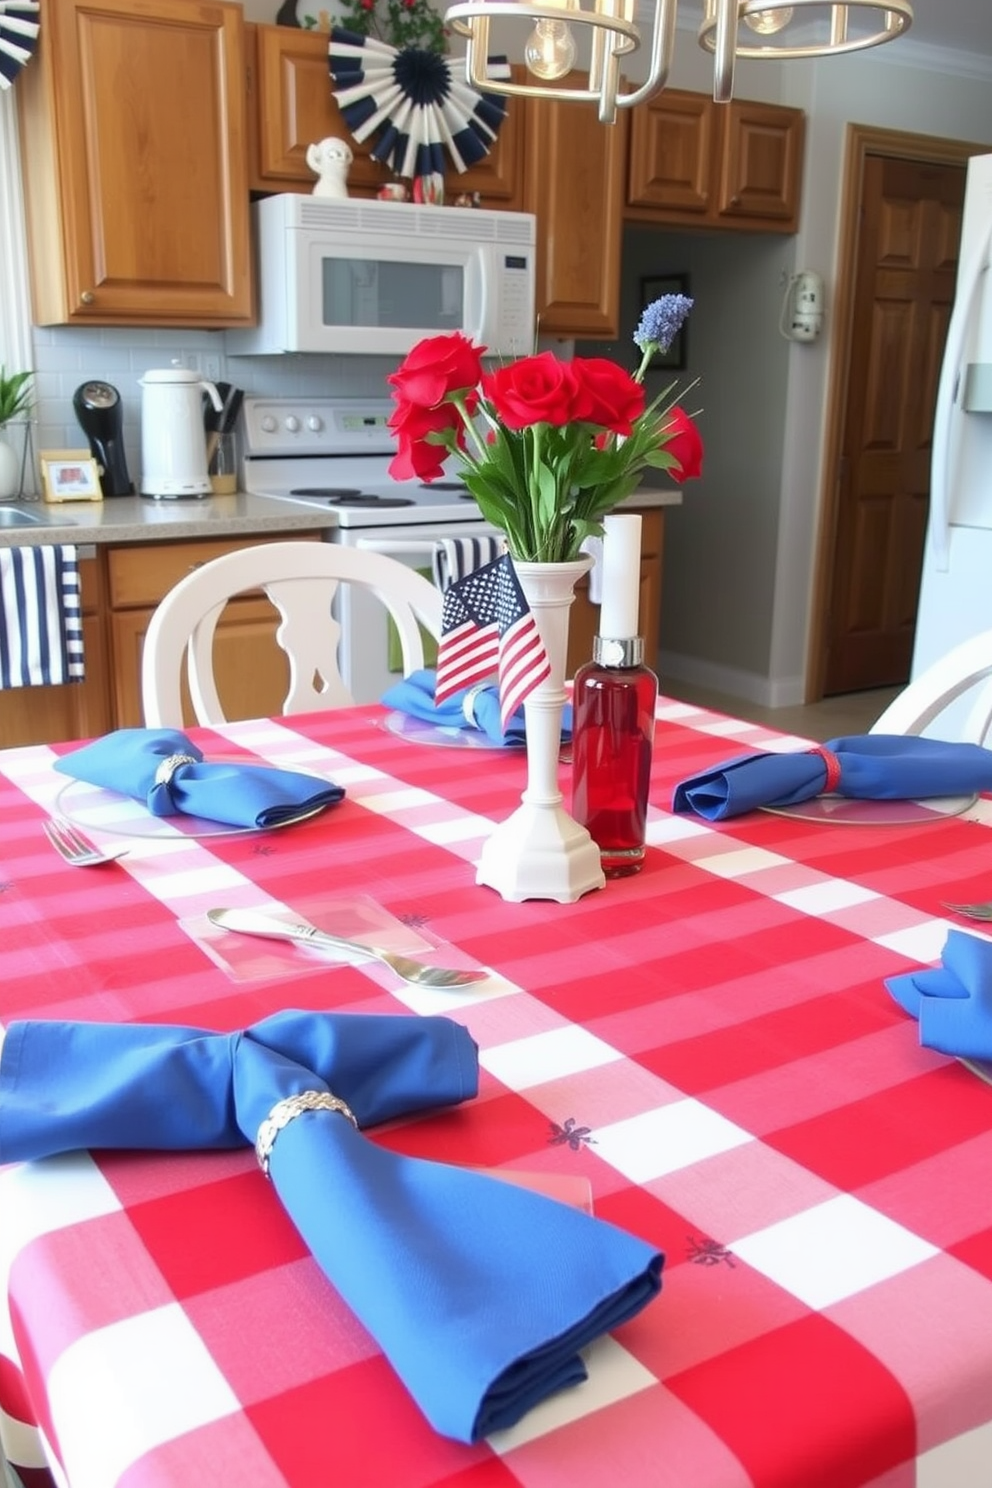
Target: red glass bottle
<point>613,703</point>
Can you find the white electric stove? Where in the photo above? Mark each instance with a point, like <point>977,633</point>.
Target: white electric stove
<point>335,454</point>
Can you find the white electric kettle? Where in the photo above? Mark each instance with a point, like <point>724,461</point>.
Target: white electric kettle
<point>173,440</point>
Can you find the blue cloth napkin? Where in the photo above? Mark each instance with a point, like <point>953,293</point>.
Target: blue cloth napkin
<point>480,1293</point>
<point>415,695</point>
<point>953,1002</point>
<point>167,1086</point>
<point>881,767</point>
<point>242,795</point>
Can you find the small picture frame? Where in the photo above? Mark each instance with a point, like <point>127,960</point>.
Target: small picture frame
<point>675,358</point>
<point>70,475</point>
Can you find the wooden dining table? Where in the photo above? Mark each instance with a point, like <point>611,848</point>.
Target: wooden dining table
<point>706,1049</point>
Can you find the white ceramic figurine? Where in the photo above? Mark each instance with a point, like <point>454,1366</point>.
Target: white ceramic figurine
<point>330,159</point>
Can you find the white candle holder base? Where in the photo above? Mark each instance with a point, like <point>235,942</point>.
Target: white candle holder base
<point>540,852</point>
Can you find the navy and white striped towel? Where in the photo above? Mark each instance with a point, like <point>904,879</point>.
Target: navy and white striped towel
<point>41,627</point>
<point>456,557</point>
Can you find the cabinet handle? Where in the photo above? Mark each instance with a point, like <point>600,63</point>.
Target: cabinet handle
<point>87,297</point>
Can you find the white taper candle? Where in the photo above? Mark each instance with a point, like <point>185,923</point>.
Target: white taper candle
<point>621,577</point>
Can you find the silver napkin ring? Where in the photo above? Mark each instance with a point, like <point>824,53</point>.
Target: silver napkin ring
<point>169,766</point>
<point>469,700</point>
<point>285,1111</point>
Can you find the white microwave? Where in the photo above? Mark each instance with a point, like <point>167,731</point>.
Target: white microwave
<point>373,278</point>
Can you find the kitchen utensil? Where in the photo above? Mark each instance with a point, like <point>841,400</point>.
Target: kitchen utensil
<point>173,445</point>
<point>75,847</point>
<point>100,414</point>
<point>253,922</point>
<point>981,911</point>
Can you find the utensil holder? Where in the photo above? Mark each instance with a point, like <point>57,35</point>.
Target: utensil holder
<point>222,463</point>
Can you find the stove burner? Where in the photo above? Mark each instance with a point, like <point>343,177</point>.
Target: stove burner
<point>452,485</point>
<point>327,491</point>
<point>343,497</point>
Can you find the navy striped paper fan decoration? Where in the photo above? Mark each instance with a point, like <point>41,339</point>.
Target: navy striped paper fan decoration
<point>417,98</point>
<point>18,36</point>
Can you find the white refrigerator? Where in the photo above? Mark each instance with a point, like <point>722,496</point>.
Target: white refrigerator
<point>956,586</point>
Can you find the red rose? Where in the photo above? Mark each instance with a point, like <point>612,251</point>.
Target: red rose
<point>436,368</point>
<point>416,457</point>
<point>684,441</point>
<point>611,397</point>
<point>533,390</point>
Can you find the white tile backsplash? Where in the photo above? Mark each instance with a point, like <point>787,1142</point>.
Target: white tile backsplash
<point>65,356</point>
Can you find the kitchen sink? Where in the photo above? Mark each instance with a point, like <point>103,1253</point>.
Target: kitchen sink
<point>18,516</point>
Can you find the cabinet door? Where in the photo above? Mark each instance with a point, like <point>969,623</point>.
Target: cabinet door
<point>133,135</point>
<point>499,176</point>
<point>293,106</point>
<point>761,167</point>
<point>574,182</point>
<point>76,710</point>
<point>251,672</point>
<point>672,142</point>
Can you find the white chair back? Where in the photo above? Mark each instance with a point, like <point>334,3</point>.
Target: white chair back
<point>923,700</point>
<point>300,579</point>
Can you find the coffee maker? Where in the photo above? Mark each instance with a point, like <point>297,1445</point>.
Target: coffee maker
<point>100,413</point>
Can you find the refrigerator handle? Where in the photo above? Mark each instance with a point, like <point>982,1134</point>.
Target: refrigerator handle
<point>969,284</point>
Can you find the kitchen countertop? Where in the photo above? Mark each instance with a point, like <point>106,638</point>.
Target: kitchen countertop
<point>133,519</point>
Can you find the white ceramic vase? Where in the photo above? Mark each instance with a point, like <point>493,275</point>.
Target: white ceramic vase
<point>540,852</point>
<point>9,469</point>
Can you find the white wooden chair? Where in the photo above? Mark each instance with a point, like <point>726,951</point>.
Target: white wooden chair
<point>300,579</point>
<point>923,700</point>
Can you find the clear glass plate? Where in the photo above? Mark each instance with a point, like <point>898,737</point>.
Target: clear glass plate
<point>97,809</point>
<point>843,811</point>
<point>404,726</point>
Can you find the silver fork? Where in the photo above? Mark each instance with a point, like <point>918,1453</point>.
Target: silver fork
<point>75,847</point>
<point>970,911</point>
<point>253,922</point>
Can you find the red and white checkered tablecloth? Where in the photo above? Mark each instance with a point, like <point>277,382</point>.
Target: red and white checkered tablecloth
<point>709,1044</point>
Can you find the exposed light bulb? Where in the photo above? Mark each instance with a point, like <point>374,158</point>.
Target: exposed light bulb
<point>550,51</point>
<point>768,22</point>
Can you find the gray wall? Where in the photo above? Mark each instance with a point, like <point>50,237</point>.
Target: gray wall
<point>734,349</point>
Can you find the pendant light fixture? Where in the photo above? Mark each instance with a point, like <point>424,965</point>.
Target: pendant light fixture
<point>779,30</point>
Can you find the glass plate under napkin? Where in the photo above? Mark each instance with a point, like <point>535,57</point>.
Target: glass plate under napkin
<point>404,726</point>
<point>95,808</point>
<point>856,812</point>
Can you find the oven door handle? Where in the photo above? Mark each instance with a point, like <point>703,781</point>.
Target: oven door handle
<point>394,545</point>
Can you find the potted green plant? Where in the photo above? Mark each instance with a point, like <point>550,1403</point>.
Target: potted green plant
<point>16,401</point>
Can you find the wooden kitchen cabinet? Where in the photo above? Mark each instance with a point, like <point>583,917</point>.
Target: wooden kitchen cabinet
<point>251,672</point>
<point>696,163</point>
<point>291,105</point>
<point>132,127</point>
<point>574,171</point>
<point>76,710</point>
<point>583,620</point>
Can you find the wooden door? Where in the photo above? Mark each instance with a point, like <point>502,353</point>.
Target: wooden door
<point>136,179</point>
<point>910,225</point>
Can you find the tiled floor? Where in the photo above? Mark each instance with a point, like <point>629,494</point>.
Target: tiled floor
<point>830,719</point>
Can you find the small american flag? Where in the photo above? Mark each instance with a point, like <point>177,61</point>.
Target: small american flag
<point>486,627</point>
